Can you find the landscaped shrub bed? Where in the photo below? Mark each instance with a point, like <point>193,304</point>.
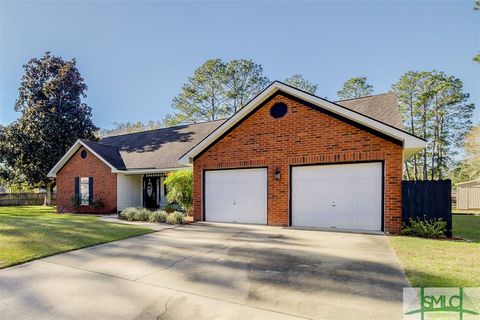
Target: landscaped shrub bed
<point>176,218</point>
<point>142,214</point>
<point>158,216</point>
<point>434,228</point>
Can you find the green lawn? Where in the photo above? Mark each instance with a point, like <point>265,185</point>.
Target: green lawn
<point>467,227</point>
<point>31,232</point>
<point>442,263</point>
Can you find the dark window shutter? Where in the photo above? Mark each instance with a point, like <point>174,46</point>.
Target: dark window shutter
<point>90,190</point>
<point>144,191</point>
<point>77,186</point>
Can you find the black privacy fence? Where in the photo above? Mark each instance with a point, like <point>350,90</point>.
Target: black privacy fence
<point>428,199</point>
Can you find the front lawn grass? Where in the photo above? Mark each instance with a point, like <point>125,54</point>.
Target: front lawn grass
<point>32,232</point>
<point>442,263</point>
<point>467,227</point>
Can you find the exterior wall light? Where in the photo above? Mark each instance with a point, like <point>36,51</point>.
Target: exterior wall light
<point>277,173</point>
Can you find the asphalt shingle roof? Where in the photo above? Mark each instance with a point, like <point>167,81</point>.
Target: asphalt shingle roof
<point>161,148</point>
<point>107,152</point>
<point>381,107</point>
<point>158,149</point>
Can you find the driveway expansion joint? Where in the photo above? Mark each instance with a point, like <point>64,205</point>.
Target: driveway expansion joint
<point>191,256</point>
<point>182,291</point>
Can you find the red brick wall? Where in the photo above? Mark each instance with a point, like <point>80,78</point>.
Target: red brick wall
<point>104,183</point>
<point>302,136</point>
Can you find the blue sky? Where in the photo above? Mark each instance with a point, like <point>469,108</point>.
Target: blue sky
<point>135,56</point>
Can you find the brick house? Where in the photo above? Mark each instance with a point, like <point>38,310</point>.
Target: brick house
<point>125,170</point>
<point>288,158</point>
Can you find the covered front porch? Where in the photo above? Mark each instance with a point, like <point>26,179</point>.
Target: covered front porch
<point>141,190</point>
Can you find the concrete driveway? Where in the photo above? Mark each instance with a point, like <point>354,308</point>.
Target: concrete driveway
<point>212,271</point>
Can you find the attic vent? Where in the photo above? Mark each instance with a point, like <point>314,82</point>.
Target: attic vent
<point>278,110</point>
<point>83,154</point>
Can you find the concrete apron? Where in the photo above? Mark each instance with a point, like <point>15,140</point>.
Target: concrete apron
<point>212,272</point>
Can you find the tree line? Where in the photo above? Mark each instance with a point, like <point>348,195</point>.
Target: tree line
<point>434,107</point>
<point>218,89</point>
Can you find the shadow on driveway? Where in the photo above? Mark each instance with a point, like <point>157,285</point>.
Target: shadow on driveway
<point>213,271</point>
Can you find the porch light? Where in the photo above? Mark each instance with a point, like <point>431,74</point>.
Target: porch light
<point>277,173</point>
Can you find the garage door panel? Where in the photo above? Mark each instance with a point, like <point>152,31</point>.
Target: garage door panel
<point>367,220</point>
<point>339,196</point>
<point>346,222</point>
<point>310,219</point>
<point>366,204</point>
<point>238,195</point>
<point>367,187</point>
<point>315,203</point>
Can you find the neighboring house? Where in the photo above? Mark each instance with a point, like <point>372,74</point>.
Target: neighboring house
<point>288,158</point>
<point>468,195</point>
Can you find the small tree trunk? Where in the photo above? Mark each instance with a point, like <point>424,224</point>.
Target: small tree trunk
<point>425,173</point>
<point>48,194</point>
<point>412,129</point>
<point>424,120</point>
<point>433,156</point>
<point>407,173</point>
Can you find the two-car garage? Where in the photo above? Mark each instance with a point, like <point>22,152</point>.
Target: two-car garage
<point>342,196</point>
<point>289,158</point>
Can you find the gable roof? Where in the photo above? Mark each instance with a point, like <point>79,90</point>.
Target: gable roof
<point>79,143</point>
<point>108,153</point>
<point>160,148</point>
<point>173,148</point>
<point>392,128</point>
<point>143,152</point>
<point>382,107</point>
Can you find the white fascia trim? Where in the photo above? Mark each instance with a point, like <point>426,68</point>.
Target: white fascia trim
<point>411,144</point>
<point>53,172</point>
<point>148,171</point>
<point>468,182</point>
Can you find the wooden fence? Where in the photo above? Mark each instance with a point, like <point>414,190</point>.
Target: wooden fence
<point>428,199</point>
<point>24,198</point>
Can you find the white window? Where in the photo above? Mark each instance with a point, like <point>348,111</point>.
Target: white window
<point>84,191</point>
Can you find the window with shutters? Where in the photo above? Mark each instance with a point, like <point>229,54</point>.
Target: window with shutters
<point>84,191</point>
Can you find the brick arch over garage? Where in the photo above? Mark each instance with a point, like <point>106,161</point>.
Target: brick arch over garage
<point>304,135</point>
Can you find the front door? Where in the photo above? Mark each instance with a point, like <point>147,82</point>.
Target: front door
<point>151,192</point>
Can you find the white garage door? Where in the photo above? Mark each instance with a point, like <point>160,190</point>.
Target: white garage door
<point>347,196</point>
<point>236,196</point>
